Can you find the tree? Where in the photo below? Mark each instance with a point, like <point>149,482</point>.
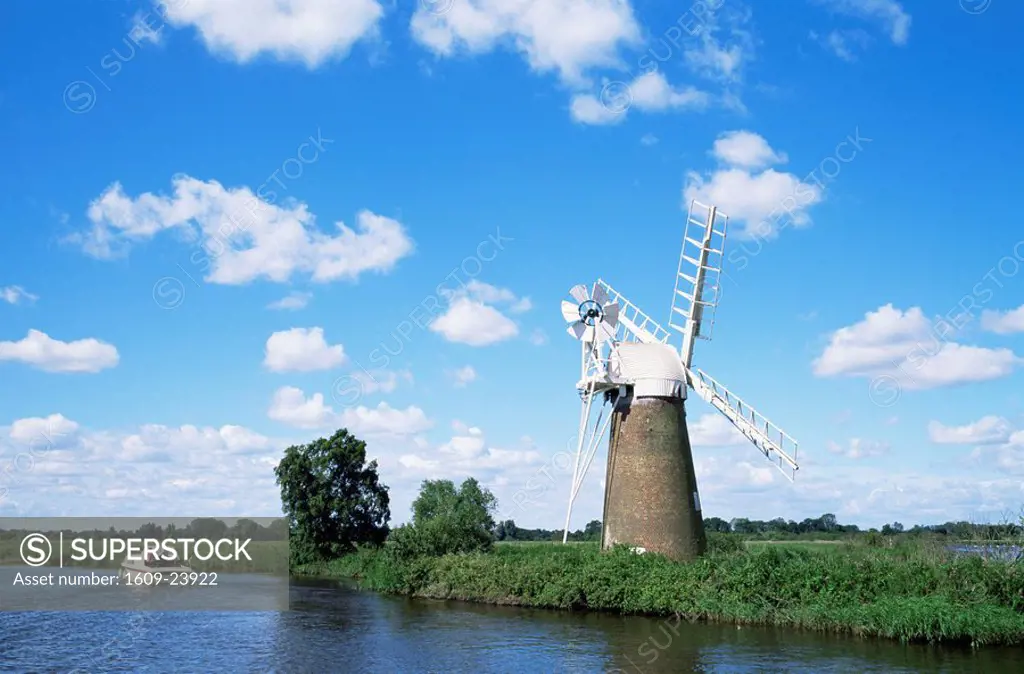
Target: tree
<point>332,498</point>
<point>448,520</point>
<point>207,527</point>
<point>592,532</point>
<point>717,524</point>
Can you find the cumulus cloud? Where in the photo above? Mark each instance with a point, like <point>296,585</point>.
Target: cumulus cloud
<point>302,350</point>
<point>52,466</point>
<point>306,31</point>
<point>39,350</point>
<point>291,302</point>
<point>244,237</point>
<point>291,406</point>
<point>468,454</point>
<point>1003,322</point>
<point>52,431</point>
<point>758,198</point>
<point>567,37</point>
<point>463,376</point>
<point>908,348</point>
<point>649,92</point>
<point>714,430</point>
<point>746,149</point>
<point>985,431</point>
<point>471,319</point>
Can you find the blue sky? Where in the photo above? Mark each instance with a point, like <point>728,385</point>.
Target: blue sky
<point>153,355</point>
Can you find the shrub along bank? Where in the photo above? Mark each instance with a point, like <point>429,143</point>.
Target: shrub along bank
<point>908,592</point>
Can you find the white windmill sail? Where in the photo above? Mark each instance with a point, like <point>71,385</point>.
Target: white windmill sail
<point>694,301</point>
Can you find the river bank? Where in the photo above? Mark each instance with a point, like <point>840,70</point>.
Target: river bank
<point>909,593</point>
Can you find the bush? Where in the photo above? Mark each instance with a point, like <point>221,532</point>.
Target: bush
<point>725,543</point>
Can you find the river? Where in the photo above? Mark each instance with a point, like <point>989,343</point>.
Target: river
<point>335,628</point>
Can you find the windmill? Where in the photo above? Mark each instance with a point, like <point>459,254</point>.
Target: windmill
<point>638,380</point>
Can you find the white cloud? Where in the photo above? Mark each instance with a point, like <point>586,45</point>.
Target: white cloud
<point>244,237</point>
<point>385,420</point>
<point>888,13</point>
<point>714,430</point>
<point>16,294</point>
<point>474,323</point>
<point>538,337</point>
<point>1005,322</point>
<point>649,92</point>
<point>843,43</point>
<point>463,376</point>
<point>142,28</point>
<point>290,406</point>
<point>907,348</point>
<point>652,93</point>
<point>292,302</point>
<point>470,318</point>
<point>568,37</point>
<point>587,109</point>
<point>484,292</point>
<point>301,350</point>
<point>723,47</point>
<point>985,431</point>
<point>50,355</point>
<point>648,139</point>
<point>52,431</point>
<point>176,471</point>
<point>381,381</point>
<point>717,475</point>
<point>746,149</point>
<point>858,448</point>
<point>307,31</point>
<point>468,454</point>
<point>759,201</point>
<point>1008,453</point>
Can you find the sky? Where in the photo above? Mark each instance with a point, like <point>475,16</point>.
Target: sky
<point>232,226</point>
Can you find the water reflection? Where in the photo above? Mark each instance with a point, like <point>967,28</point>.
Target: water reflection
<point>335,628</point>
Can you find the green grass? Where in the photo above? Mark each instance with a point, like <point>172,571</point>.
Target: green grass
<point>908,592</point>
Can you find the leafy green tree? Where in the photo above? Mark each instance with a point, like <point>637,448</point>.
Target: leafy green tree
<point>717,524</point>
<point>511,530</point>
<point>592,532</point>
<point>447,520</point>
<point>332,498</point>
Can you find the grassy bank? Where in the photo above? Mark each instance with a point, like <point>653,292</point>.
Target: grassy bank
<point>909,592</point>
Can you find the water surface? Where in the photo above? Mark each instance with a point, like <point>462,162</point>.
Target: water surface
<point>336,628</point>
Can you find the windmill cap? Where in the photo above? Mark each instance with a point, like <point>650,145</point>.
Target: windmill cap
<point>654,370</point>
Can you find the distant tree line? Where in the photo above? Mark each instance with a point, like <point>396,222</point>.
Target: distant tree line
<point>828,524</point>
<point>508,531</point>
<point>202,527</point>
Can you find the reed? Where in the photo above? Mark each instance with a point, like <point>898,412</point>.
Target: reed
<point>910,592</point>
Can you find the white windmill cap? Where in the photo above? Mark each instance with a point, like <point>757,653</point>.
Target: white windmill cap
<point>654,370</point>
